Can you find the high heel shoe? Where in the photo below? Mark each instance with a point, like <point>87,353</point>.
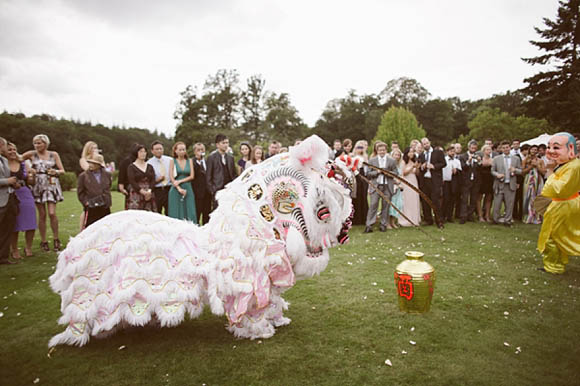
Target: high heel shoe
<point>27,252</point>
<point>57,245</point>
<point>44,246</point>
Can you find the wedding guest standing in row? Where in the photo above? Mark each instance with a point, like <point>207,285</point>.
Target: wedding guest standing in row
<point>199,183</point>
<point>123,184</point>
<point>94,190</point>
<point>246,151</point>
<point>397,198</point>
<point>220,167</point>
<point>181,197</point>
<point>485,185</point>
<point>8,205</point>
<point>162,166</point>
<point>411,199</point>
<point>256,156</point>
<point>26,219</point>
<point>360,202</point>
<point>88,150</point>
<point>141,177</point>
<point>46,191</point>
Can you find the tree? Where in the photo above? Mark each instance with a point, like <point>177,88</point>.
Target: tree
<point>404,92</point>
<point>436,117</point>
<point>399,124</point>
<point>555,93</point>
<point>282,121</point>
<point>252,107</point>
<point>499,125</point>
<point>354,116</point>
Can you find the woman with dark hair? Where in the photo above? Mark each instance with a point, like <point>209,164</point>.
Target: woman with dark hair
<point>347,146</point>
<point>360,202</point>
<point>26,220</point>
<point>141,177</point>
<point>181,197</point>
<point>411,200</point>
<point>123,185</point>
<point>246,151</point>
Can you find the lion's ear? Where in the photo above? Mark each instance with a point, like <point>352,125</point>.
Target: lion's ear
<point>310,153</point>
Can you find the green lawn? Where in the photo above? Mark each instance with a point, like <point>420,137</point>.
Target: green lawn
<point>495,320</point>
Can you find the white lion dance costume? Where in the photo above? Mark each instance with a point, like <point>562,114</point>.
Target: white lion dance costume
<point>274,224</point>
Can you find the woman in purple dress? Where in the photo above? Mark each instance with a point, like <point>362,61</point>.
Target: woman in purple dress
<point>26,220</point>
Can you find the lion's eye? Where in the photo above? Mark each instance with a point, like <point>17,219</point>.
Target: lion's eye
<point>323,213</point>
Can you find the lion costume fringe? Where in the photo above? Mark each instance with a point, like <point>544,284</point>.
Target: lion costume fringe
<point>273,225</point>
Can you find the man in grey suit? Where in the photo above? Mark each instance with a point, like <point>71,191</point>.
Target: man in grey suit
<point>8,205</point>
<point>384,184</point>
<point>504,169</point>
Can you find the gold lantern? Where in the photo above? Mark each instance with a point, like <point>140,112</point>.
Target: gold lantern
<point>414,280</point>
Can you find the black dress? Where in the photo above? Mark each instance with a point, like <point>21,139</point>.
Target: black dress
<point>486,186</point>
<point>360,202</point>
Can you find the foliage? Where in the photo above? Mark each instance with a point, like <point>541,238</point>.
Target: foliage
<point>399,124</point>
<point>499,125</point>
<point>282,121</point>
<point>355,117</point>
<point>252,114</point>
<point>555,93</point>
<point>489,300</point>
<point>68,137</point>
<point>404,91</point>
<point>68,181</point>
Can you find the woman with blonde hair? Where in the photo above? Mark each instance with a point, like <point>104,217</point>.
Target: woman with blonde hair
<point>397,197</point>
<point>486,185</point>
<point>181,197</point>
<point>46,190</point>
<point>89,149</point>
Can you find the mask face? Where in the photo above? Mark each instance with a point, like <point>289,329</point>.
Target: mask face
<point>559,150</point>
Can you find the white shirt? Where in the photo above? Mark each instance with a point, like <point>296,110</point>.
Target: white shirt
<point>156,163</point>
<point>448,169</point>
<point>382,165</point>
<point>428,160</point>
<point>507,160</point>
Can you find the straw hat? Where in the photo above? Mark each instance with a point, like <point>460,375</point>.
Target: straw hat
<point>96,159</point>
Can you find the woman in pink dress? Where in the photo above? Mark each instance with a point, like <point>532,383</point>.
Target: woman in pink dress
<point>411,200</point>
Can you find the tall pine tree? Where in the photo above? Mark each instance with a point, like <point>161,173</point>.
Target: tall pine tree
<point>555,94</point>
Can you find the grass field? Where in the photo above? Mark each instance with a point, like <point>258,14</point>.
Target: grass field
<point>495,320</point>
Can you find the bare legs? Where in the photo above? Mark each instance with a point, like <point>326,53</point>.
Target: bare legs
<point>51,208</point>
<point>484,208</point>
<point>29,237</point>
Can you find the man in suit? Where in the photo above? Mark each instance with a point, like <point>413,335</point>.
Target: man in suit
<point>505,168</point>
<point>432,163</point>
<point>470,162</point>
<point>451,183</point>
<point>221,169</point>
<point>161,164</point>
<point>384,184</point>
<point>202,196</point>
<point>8,205</point>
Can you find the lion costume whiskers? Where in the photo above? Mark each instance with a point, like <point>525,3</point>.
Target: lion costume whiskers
<point>274,224</point>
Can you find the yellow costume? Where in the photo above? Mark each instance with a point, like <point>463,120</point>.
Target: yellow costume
<point>560,234</point>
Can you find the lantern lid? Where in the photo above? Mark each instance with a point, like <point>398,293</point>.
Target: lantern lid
<point>414,255</point>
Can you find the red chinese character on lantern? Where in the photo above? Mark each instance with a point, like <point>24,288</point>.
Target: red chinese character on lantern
<point>405,286</point>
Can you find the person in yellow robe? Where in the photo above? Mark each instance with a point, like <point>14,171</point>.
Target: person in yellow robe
<point>560,233</point>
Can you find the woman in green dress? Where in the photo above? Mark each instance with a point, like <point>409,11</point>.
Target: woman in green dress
<point>181,198</point>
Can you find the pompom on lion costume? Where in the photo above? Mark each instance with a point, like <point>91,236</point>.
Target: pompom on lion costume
<point>273,225</point>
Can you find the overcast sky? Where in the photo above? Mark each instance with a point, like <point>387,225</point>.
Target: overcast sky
<point>125,62</point>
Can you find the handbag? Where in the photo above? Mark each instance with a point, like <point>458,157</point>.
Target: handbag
<point>96,202</point>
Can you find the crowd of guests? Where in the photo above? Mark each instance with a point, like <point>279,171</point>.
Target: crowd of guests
<point>494,183</point>
<point>491,182</point>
